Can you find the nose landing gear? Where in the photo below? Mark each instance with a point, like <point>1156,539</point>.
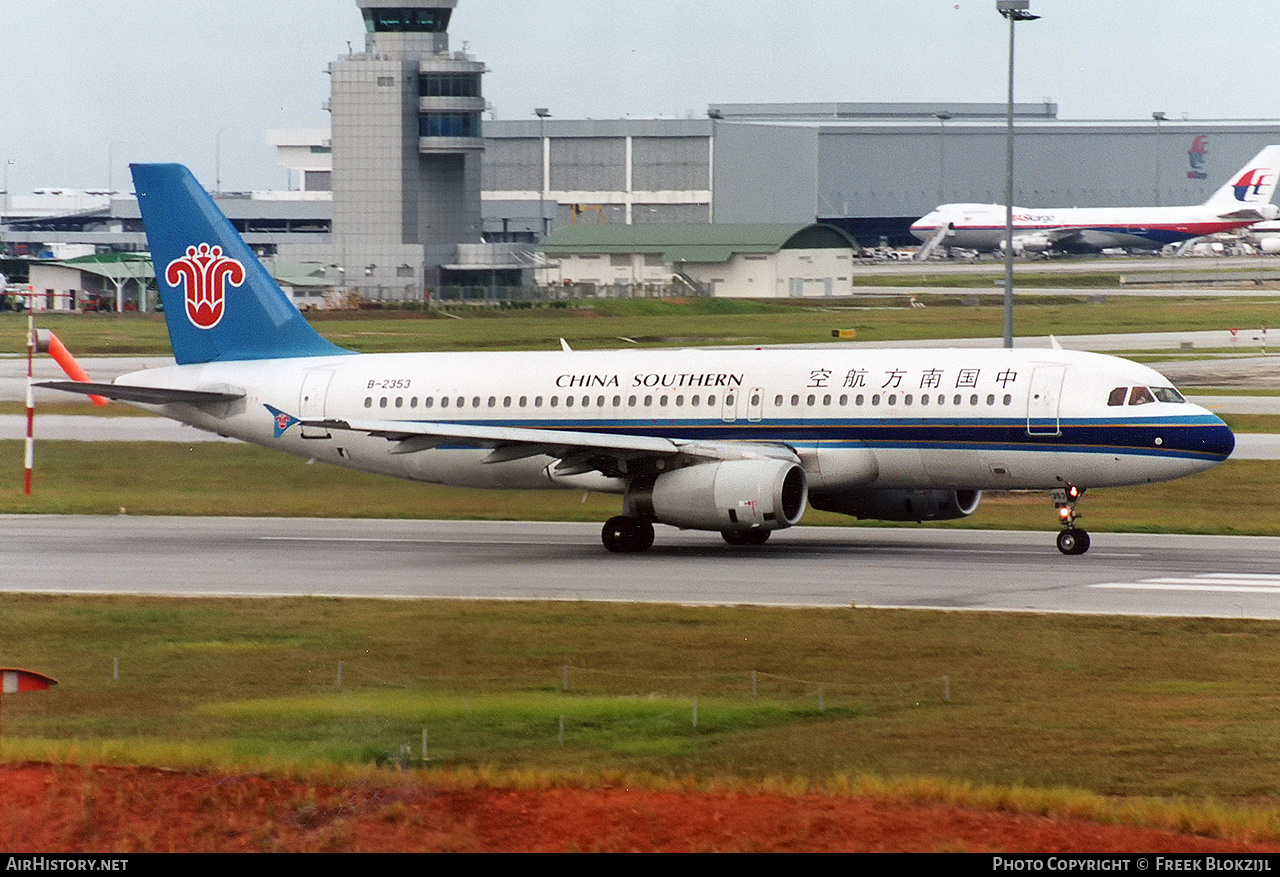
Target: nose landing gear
<point>1071,539</point>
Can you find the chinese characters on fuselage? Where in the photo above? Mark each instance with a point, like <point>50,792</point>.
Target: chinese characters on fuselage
<point>898,379</point>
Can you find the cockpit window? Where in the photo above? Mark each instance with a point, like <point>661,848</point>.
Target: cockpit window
<point>1140,396</point>
<point>1117,396</point>
<point>1167,394</point>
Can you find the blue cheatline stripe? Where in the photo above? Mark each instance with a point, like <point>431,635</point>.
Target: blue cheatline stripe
<point>1190,437</point>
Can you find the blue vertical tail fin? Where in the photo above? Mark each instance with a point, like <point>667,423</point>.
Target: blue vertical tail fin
<point>219,301</point>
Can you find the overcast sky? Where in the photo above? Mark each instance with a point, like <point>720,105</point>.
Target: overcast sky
<point>90,85</point>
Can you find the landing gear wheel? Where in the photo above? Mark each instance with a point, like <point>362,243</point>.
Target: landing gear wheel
<point>624,535</point>
<point>745,537</point>
<point>1073,541</point>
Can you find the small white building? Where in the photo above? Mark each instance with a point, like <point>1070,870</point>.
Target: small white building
<point>127,282</point>
<point>112,281</point>
<point>731,261</point>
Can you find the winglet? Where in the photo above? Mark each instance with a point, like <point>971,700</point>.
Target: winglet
<point>564,345</point>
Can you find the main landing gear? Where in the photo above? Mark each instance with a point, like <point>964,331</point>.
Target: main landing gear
<point>1071,540</point>
<point>623,534</point>
<point>627,535</point>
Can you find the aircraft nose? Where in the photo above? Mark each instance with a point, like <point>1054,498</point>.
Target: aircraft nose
<point>1214,440</point>
<point>1220,440</point>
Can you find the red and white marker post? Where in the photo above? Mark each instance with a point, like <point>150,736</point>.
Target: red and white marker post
<point>30,454</point>
<point>44,341</point>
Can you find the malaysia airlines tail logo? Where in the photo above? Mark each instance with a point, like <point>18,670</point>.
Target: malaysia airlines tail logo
<point>1197,154</point>
<point>204,273</point>
<point>1251,182</point>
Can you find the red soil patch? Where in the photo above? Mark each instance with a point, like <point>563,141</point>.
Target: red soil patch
<point>58,809</point>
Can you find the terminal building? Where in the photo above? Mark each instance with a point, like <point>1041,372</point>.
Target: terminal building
<point>415,190</point>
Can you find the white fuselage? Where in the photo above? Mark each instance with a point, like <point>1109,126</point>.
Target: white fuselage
<point>983,226</point>
<point>971,419</point>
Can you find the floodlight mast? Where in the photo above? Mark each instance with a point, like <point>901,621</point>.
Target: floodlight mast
<point>544,184</point>
<point>1014,11</point>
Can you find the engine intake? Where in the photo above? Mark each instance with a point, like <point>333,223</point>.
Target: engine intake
<point>899,505</point>
<point>726,496</point>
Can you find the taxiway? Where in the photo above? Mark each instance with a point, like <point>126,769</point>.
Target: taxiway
<point>924,568</point>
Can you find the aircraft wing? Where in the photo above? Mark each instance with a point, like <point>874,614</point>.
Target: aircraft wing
<point>146,395</point>
<point>578,451</point>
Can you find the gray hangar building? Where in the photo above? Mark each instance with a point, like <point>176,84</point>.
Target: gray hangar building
<point>868,168</point>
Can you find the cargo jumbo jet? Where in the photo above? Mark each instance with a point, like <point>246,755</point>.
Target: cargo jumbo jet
<point>738,442</point>
<point>1241,202</point>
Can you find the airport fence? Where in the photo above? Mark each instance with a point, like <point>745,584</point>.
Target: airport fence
<point>584,707</point>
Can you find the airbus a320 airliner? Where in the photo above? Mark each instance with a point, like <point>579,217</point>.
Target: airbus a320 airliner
<point>737,442</point>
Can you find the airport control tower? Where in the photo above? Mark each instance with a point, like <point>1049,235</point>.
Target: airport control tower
<point>407,144</point>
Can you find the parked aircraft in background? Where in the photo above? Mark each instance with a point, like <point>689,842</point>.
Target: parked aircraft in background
<point>734,441</point>
<point>1267,234</point>
<point>1243,201</point>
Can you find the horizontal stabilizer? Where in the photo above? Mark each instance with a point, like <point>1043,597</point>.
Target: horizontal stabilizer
<point>1247,214</point>
<point>144,395</point>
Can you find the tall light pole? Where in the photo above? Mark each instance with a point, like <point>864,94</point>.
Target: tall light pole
<point>543,183</point>
<point>111,162</point>
<point>8,163</point>
<point>1014,11</point>
<point>715,115</point>
<point>1158,117</point>
<point>217,161</point>
<point>942,153</point>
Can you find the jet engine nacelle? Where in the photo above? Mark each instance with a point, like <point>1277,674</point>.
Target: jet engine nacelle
<point>1032,243</point>
<point>728,495</point>
<point>899,505</point>
<point>1029,243</point>
<point>1269,245</point>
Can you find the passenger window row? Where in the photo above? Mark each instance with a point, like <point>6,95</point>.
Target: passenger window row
<point>663,401</point>
<point>539,401</point>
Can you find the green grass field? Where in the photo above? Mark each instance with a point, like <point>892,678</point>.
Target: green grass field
<point>1113,706</point>
<point>671,322</point>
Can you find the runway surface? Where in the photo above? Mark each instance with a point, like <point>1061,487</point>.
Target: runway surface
<point>833,567</point>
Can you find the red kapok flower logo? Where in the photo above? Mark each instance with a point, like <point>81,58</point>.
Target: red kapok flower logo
<point>204,273</point>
